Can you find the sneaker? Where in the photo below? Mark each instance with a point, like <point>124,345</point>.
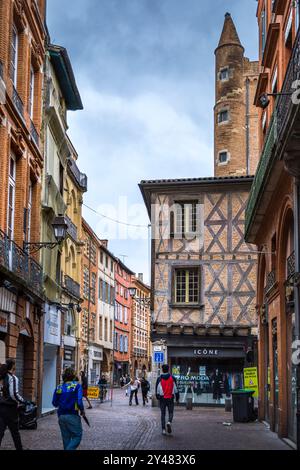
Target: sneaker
<point>164,432</point>
<point>169,429</point>
<point>89,407</point>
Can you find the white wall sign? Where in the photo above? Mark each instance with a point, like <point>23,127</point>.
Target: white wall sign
<point>52,328</point>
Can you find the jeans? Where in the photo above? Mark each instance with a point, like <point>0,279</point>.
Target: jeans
<point>133,392</point>
<point>145,396</point>
<point>71,431</point>
<point>9,419</point>
<point>164,404</point>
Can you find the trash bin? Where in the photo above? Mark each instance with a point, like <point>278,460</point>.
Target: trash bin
<point>243,405</point>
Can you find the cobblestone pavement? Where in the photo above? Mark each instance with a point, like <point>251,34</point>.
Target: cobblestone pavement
<point>120,427</point>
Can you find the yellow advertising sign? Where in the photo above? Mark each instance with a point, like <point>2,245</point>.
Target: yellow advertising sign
<point>251,380</point>
<point>93,392</point>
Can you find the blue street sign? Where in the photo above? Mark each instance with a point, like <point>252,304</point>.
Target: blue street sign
<point>158,357</point>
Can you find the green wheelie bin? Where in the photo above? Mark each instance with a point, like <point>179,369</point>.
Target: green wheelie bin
<point>243,405</point>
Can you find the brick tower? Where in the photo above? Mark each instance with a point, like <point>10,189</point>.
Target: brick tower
<point>236,117</point>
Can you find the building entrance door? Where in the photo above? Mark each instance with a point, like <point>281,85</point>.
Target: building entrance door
<point>291,379</point>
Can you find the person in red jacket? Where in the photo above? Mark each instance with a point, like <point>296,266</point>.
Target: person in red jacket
<point>166,391</point>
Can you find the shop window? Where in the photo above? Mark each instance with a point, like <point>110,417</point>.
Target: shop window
<point>187,286</point>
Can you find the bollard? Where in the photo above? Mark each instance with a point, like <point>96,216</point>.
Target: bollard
<point>189,403</point>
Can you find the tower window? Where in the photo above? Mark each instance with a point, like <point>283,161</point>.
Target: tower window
<point>223,116</point>
<point>224,74</point>
<point>223,157</point>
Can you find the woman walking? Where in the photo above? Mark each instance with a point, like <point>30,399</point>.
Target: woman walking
<point>9,401</point>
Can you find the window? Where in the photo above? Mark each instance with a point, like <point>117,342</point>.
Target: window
<point>187,286</point>
<point>223,116</point>
<point>58,268</point>
<point>105,330</point>
<point>101,257</point>
<point>185,218</point>
<point>93,288</point>
<point>110,331</point>
<point>100,327</point>
<point>125,315</point>
<point>70,324</point>
<point>11,197</point>
<point>125,343</point>
<point>116,342</point>
<point>106,261</point>
<point>86,282</point>
<point>224,74</point>
<point>121,343</point>
<point>121,313</point>
<point>223,157</point>
<point>14,56</point>
<point>112,266</point>
<point>263,27</point>
<point>29,212</point>
<point>31,93</point>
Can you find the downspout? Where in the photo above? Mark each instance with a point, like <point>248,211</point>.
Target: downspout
<point>247,127</point>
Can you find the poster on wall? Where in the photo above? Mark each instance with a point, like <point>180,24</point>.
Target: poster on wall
<point>251,380</point>
<point>52,328</point>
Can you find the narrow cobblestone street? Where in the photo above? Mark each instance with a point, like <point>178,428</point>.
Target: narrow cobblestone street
<point>120,427</point>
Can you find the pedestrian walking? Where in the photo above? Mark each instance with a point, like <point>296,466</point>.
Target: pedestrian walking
<point>68,399</point>
<point>134,387</point>
<point>9,401</point>
<point>84,384</point>
<point>122,381</point>
<point>102,388</point>
<point>145,386</point>
<point>166,390</point>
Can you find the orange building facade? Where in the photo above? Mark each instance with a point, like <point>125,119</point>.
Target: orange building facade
<point>272,215</point>
<point>22,53</point>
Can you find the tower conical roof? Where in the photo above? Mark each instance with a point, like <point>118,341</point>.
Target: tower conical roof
<point>229,34</point>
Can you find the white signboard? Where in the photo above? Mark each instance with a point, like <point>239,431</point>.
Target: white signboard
<point>52,326</point>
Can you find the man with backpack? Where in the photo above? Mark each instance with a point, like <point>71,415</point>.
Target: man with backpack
<point>166,391</point>
<point>9,401</point>
<point>68,399</point>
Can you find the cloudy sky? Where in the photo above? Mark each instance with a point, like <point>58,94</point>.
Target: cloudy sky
<point>145,71</point>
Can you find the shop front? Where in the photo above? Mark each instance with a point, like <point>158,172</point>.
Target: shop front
<point>52,341</point>
<point>95,360</point>
<point>209,371</point>
<point>8,302</point>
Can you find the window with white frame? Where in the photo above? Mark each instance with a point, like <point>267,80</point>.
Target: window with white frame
<point>29,208</point>
<point>121,313</point>
<point>11,197</point>
<point>125,343</point>
<point>14,56</point>
<point>31,93</point>
<point>185,218</point>
<point>125,315</point>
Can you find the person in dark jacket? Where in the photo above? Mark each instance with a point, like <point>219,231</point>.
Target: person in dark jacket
<point>84,384</point>
<point>102,387</point>
<point>145,386</point>
<point>9,401</point>
<point>68,399</point>
<point>166,390</point>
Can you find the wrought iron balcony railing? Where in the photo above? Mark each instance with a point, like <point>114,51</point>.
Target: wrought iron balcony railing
<point>271,280</point>
<point>34,134</point>
<point>291,265</point>
<point>71,286</point>
<point>72,229</point>
<point>20,264</point>
<point>262,169</point>
<point>18,102</point>
<point>285,103</point>
<point>80,178</point>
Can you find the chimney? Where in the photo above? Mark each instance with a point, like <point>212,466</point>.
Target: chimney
<point>104,243</point>
<point>141,277</point>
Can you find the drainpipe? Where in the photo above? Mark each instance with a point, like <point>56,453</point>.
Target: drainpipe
<point>247,127</point>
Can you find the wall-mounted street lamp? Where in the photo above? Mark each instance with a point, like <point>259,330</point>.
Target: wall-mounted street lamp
<point>141,300</point>
<point>69,305</point>
<point>264,98</point>
<point>60,227</point>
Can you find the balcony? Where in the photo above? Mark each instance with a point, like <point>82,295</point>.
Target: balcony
<point>80,178</point>
<point>18,103</point>
<point>291,266</point>
<point>71,286</point>
<point>20,265</point>
<point>34,134</point>
<point>72,229</point>
<point>263,169</point>
<point>271,281</point>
